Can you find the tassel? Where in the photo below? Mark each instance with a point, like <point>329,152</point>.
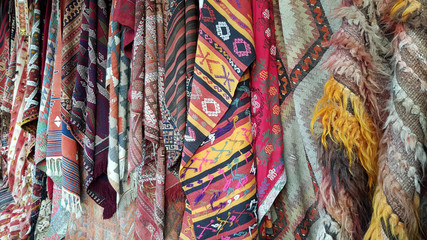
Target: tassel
<point>71,203</point>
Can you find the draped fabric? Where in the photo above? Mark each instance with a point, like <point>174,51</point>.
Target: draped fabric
<point>42,124</point>
<point>32,91</point>
<point>70,46</point>
<point>93,105</point>
<point>217,169</point>
<point>30,121</point>
<point>213,119</point>
<point>59,215</point>
<point>181,39</point>
<point>118,80</point>
<point>53,144</point>
<point>400,190</point>
<point>15,219</point>
<point>265,107</point>
<point>301,31</point>
<point>7,95</point>
<point>4,44</point>
<point>146,144</point>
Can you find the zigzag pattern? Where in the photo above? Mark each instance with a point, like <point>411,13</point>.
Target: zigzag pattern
<point>301,35</point>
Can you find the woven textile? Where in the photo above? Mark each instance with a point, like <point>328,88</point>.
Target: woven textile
<point>217,168</point>
<point>22,17</point>
<point>5,198</point>
<point>32,91</point>
<point>180,50</point>
<point>54,125</point>
<point>403,154</point>
<point>15,219</point>
<point>5,41</point>
<point>90,103</point>
<point>16,135</point>
<point>30,117</point>
<point>43,220</point>
<point>70,46</point>
<point>302,28</point>
<point>59,217</point>
<point>118,79</point>
<point>4,44</point>
<point>265,118</point>
<point>352,114</point>
<point>145,136</point>
<point>42,124</point>
<point>6,103</point>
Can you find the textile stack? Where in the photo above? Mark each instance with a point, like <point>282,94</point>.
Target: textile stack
<point>213,119</point>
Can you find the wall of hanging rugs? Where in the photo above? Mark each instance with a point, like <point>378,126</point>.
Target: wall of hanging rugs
<point>213,119</point>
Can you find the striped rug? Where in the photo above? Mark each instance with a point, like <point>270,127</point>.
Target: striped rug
<point>5,198</point>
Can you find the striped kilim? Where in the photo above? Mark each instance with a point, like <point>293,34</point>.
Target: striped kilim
<point>54,131</point>
<point>5,198</point>
<point>181,40</point>
<point>70,46</point>
<point>42,124</point>
<point>59,219</point>
<point>217,169</point>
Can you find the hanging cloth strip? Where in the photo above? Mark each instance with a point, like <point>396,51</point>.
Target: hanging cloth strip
<point>4,45</point>
<point>7,96</point>
<point>217,169</point>
<point>146,143</point>
<point>60,216</point>
<point>19,166</point>
<point>32,91</point>
<point>70,47</point>
<point>118,81</point>
<point>267,125</point>
<point>45,104</point>
<point>181,41</point>
<point>93,103</point>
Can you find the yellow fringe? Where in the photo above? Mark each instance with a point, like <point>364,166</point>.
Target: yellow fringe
<point>383,212</point>
<point>356,132</point>
<point>410,5</point>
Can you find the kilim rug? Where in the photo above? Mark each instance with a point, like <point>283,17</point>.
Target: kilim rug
<point>217,170</point>
<point>300,31</point>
